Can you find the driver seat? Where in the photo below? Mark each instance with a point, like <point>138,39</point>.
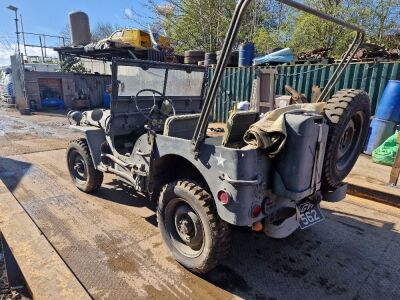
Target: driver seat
<point>181,126</point>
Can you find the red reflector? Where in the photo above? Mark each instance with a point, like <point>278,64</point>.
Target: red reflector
<point>223,197</point>
<point>256,210</point>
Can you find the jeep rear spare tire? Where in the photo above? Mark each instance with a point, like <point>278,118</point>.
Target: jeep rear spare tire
<point>190,226</point>
<point>348,114</point>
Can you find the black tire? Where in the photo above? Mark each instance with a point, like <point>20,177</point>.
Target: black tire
<point>194,53</point>
<point>81,167</point>
<point>210,56</point>
<point>192,60</point>
<point>207,236</point>
<point>348,113</point>
<point>210,62</point>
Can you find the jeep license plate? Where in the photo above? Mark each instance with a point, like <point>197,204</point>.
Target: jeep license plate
<point>310,214</point>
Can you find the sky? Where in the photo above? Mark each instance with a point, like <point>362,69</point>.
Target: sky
<point>51,16</point>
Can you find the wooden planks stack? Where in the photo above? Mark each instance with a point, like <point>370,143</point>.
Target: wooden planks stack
<point>394,175</point>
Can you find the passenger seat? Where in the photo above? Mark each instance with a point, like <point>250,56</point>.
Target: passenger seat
<point>181,126</point>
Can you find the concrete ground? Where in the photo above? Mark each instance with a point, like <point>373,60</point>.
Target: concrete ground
<point>111,243</point>
<point>371,180</point>
<point>37,132</point>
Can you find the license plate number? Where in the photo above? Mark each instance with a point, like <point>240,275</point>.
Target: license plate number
<point>309,214</point>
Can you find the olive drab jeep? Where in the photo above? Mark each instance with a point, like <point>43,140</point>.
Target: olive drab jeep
<point>155,139</point>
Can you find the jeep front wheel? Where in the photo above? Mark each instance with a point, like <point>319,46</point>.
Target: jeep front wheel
<point>190,226</point>
<point>81,167</point>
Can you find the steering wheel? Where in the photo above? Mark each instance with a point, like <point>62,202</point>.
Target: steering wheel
<point>155,106</point>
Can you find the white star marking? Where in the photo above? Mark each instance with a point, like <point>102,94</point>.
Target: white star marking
<point>220,160</point>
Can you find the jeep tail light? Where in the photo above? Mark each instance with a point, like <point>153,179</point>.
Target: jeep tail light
<point>255,211</point>
<point>223,197</point>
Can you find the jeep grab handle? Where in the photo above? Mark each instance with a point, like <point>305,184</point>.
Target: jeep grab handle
<point>226,177</point>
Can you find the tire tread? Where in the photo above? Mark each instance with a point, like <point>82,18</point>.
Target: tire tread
<point>337,112</point>
<point>220,230</point>
<point>95,177</point>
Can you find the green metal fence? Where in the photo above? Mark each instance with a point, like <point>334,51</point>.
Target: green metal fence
<point>371,77</point>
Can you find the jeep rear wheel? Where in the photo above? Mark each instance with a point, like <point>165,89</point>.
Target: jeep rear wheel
<point>348,113</point>
<point>81,167</point>
<point>190,226</point>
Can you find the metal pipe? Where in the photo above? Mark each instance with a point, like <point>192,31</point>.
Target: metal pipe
<point>15,10</point>
<point>116,172</point>
<point>16,26</point>
<point>116,160</point>
<point>44,43</point>
<point>41,48</point>
<point>201,127</point>
<point>23,34</point>
<point>321,15</point>
<point>48,35</point>
<point>348,56</point>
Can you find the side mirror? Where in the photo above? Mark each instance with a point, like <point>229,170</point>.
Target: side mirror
<point>97,115</point>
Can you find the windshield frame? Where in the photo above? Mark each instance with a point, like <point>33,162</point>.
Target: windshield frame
<point>155,65</point>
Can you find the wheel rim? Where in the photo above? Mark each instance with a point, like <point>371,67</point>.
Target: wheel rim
<point>349,144</point>
<point>184,227</point>
<point>77,167</point>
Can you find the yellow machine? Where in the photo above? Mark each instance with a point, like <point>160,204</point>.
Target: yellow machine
<point>137,38</point>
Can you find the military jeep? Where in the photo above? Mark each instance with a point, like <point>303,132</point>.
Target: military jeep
<point>155,139</point>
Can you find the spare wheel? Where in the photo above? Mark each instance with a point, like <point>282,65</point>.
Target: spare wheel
<point>348,114</point>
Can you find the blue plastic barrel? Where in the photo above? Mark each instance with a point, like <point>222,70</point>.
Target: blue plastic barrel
<point>379,131</point>
<point>106,100</point>
<point>52,103</point>
<point>246,54</point>
<point>389,106</point>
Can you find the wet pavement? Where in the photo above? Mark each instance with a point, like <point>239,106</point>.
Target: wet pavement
<point>111,243</point>
<point>37,132</point>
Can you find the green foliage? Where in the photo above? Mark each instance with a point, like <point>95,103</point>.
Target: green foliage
<point>72,65</point>
<point>202,24</point>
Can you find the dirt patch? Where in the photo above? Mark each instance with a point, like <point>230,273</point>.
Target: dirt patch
<point>34,133</point>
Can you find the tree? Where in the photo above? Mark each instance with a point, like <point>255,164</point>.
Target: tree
<point>66,35</point>
<point>195,24</point>
<point>72,65</point>
<point>100,31</point>
<point>311,30</point>
<point>277,29</point>
<point>384,22</point>
<point>270,24</point>
<point>103,30</point>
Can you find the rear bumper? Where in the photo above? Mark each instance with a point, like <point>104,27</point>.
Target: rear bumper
<point>337,195</point>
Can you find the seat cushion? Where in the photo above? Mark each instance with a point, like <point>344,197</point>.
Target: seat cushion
<point>181,126</point>
<point>237,125</point>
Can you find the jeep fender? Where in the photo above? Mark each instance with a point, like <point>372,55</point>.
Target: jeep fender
<point>94,137</point>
